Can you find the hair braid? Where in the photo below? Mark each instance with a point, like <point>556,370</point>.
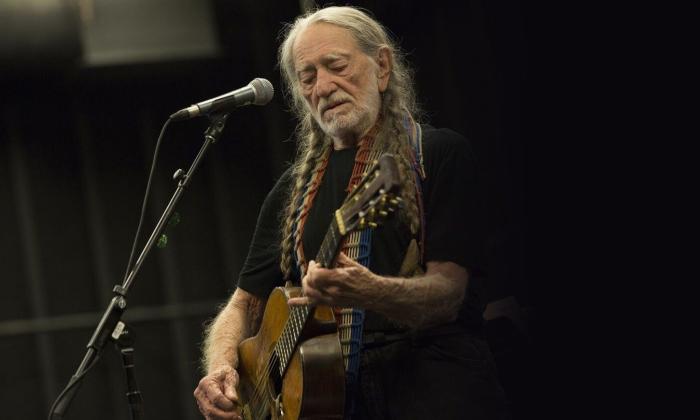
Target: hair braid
<point>394,139</point>
<point>309,158</point>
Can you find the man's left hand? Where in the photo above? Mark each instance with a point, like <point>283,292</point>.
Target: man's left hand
<point>348,285</point>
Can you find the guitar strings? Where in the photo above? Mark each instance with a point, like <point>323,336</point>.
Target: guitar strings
<point>258,401</point>
<point>263,381</point>
<point>260,385</point>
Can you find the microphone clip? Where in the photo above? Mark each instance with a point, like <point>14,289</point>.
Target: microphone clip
<point>216,127</point>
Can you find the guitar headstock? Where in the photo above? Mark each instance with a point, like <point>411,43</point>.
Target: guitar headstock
<point>374,197</point>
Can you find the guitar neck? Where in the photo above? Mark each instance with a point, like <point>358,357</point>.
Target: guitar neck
<point>330,245</point>
<point>298,315</point>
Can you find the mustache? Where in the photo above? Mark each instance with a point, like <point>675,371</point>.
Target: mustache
<point>333,100</point>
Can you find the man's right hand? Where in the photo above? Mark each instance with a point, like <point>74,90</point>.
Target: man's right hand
<point>216,395</point>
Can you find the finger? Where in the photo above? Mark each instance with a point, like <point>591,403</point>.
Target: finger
<point>305,281</point>
<point>214,413</point>
<point>346,262</point>
<point>199,396</point>
<point>343,259</point>
<point>311,267</point>
<point>221,373</point>
<point>314,268</point>
<point>222,402</point>
<point>209,410</point>
<point>230,383</point>
<point>310,273</point>
<point>318,277</point>
<point>299,301</point>
<point>213,393</point>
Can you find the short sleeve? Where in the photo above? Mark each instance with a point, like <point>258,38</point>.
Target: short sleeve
<point>454,217</point>
<point>261,272</point>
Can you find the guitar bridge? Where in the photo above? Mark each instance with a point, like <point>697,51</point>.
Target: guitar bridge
<point>279,408</point>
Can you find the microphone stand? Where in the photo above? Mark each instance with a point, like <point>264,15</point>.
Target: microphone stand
<point>109,325</point>
<point>125,345</point>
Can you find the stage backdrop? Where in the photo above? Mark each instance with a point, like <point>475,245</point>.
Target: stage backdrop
<point>85,87</point>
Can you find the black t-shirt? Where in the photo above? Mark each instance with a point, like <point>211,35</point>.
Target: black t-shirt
<point>454,223</point>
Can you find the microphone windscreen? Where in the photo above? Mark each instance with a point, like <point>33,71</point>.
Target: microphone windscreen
<point>263,91</point>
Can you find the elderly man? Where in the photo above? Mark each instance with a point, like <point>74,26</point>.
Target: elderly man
<point>413,284</point>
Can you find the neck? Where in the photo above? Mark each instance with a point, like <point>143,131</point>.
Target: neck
<point>340,143</point>
<point>348,138</point>
<point>351,138</point>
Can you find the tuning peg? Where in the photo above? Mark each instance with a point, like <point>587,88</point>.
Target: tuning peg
<point>383,213</point>
<point>372,225</point>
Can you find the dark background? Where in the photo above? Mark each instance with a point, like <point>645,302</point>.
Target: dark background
<point>77,132</point>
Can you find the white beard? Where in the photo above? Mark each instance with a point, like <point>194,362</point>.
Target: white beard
<point>355,121</point>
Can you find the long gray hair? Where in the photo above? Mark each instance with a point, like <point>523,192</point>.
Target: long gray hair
<point>397,99</point>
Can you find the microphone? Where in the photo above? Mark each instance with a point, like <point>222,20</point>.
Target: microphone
<point>257,92</point>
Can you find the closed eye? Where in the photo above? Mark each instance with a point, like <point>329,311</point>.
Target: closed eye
<point>337,67</point>
<point>307,78</point>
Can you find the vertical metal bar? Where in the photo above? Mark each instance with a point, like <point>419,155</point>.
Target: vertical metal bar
<point>31,253</point>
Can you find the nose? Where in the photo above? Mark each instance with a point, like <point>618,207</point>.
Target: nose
<point>324,83</point>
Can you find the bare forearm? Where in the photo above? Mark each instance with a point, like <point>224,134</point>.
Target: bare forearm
<point>422,301</point>
<point>238,320</point>
<point>415,302</point>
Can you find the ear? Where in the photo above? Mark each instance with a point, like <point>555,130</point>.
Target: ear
<point>385,63</point>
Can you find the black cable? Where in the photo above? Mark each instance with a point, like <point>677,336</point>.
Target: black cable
<point>74,380</point>
<point>145,198</point>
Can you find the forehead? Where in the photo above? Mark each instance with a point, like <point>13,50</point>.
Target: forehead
<point>320,40</point>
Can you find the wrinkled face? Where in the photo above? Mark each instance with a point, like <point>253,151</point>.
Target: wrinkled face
<point>340,83</point>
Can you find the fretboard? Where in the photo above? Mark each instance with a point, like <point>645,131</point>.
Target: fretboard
<point>298,315</point>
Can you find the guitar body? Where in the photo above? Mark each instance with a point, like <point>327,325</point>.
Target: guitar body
<point>313,385</point>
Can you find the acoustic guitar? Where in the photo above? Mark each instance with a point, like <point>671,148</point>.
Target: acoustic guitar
<point>293,368</point>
